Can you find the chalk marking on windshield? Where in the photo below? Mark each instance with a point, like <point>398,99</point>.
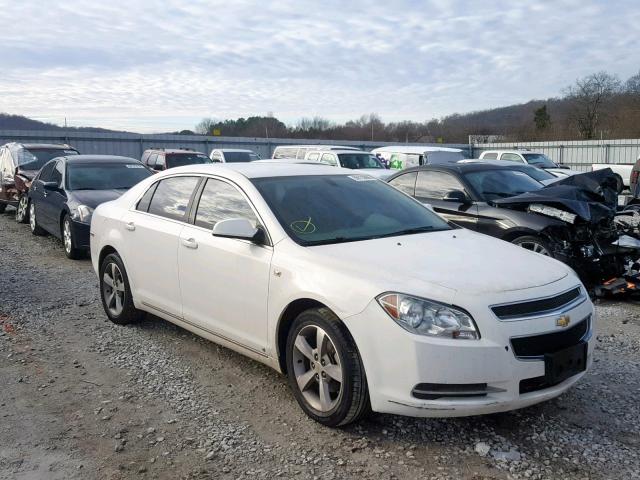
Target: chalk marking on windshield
<point>303,227</point>
<point>362,178</point>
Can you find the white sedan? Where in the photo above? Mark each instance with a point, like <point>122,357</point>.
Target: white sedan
<point>364,298</point>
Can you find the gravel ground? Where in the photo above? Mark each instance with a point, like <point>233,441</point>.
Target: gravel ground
<point>83,398</point>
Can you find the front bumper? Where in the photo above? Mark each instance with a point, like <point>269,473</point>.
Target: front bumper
<point>397,361</point>
<point>80,234</point>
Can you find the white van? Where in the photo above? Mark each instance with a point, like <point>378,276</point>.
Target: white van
<point>233,155</point>
<point>299,151</point>
<point>355,160</point>
<point>406,156</point>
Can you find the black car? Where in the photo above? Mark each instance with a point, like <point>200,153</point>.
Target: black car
<point>65,192</point>
<point>486,198</point>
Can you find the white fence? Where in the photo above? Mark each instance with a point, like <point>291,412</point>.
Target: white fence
<point>578,155</point>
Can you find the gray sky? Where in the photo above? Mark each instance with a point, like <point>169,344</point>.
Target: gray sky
<point>161,66</point>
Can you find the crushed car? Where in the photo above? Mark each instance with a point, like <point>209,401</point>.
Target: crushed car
<point>572,220</point>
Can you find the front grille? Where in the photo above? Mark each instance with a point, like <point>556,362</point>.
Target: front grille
<point>534,384</point>
<point>536,307</point>
<point>538,345</point>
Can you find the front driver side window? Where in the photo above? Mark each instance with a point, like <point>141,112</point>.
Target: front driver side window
<point>46,173</point>
<point>406,183</point>
<point>222,201</point>
<point>436,185</point>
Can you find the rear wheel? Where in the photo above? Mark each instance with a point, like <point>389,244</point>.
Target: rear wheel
<point>67,238</point>
<point>33,221</point>
<point>533,243</point>
<point>115,292</point>
<point>22,210</point>
<point>325,369</point>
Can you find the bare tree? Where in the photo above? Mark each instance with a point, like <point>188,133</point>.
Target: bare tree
<point>632,86</point>
<point>205,127</point>
<point>590,96</point>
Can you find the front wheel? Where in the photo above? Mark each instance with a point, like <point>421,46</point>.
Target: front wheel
<point>533,243</point>
<point>115,292</point>
<point>67,238</point>
<point>22,210</point>
<point>325,369</point>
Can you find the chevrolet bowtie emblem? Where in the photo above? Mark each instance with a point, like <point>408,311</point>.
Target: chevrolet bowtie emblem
<point>563,321</point>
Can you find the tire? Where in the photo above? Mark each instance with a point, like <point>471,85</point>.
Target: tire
<point>33,222</point>
<point>22,210</point>
<point>68,241</point>
<point>113,268</point>
<point>344,401</point>
<point>3,207</point>
<point>535,244</point>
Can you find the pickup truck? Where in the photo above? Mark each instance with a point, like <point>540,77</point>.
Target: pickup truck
<point>622,170</point>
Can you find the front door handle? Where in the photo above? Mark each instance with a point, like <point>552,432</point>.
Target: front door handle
<point>130,226</point>
<point>190,243</point>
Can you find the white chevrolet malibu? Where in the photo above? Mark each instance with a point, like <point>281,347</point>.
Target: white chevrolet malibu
<point>363,297</point>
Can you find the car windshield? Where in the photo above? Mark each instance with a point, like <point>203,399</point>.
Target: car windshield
<point>495,184</point>
<point>539,160</point>
<point>239,157</point>
<point>104,176</point>
<point>326,209</point>
<point>359,160</point>
<point>35,158</point>
<point>182,159</point>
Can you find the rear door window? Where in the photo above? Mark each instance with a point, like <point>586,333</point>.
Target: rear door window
<point>47,172</point>
<point>313,156</point>
<point>329,159</point>
<point>511,157</point>
<point>172,196</point>
<point>490,156</point>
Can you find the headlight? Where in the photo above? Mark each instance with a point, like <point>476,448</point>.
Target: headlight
<point>553,212</point>
<point>82,214</point>
<point>425,317</point>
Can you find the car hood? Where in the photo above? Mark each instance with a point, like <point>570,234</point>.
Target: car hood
<point>93,198</point>
<point>592,196</point>
<point>458,260</point>
<point>562,172</point>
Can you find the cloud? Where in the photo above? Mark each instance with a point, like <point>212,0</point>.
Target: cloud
<point>154,66</point>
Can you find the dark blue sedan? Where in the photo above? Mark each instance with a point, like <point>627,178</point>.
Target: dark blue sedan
<point>64,194</point>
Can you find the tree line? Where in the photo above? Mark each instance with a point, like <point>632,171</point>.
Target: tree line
<point>596,106</point>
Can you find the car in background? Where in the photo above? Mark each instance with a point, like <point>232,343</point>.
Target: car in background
<point>233,155</point>
<point>362,161</point>
<point>633,179</point>
<point>469,195</point>
<point>19,164</point>
<point>360,295</point>
<point>538,174</point>
<point>399,157</point>
<point>299,151</point>
<point>161,159</point>
<point>66,191</point>
<point>539,160</point>
<point>624,174</point>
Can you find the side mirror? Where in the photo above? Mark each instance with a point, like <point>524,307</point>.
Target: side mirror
<point>240,228</point>
<point>51,186</point>
<point>457,196</point>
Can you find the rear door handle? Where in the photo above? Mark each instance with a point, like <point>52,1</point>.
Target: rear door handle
<point>130,226</point>
<point>190,243</point>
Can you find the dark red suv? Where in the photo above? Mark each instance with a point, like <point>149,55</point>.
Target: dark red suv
<point>19,164</point>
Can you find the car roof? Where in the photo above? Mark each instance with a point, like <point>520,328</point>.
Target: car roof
<point>99,158</point>
<point>34,146</point>
<point>321,146</point>
<point>233,150</point>
<point>262,169</point>
<point>516,150</point>
<point>171,150</point>
<point>339,151</point>
<point>413,149</point>
<point>461,167</point>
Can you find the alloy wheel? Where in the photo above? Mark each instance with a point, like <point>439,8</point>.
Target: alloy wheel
<point>113,289</point>
<point>23,206</point>
<point>32,217</point>
<point>317,368</point>
<point>535,247</point>
<point>66,235</point>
